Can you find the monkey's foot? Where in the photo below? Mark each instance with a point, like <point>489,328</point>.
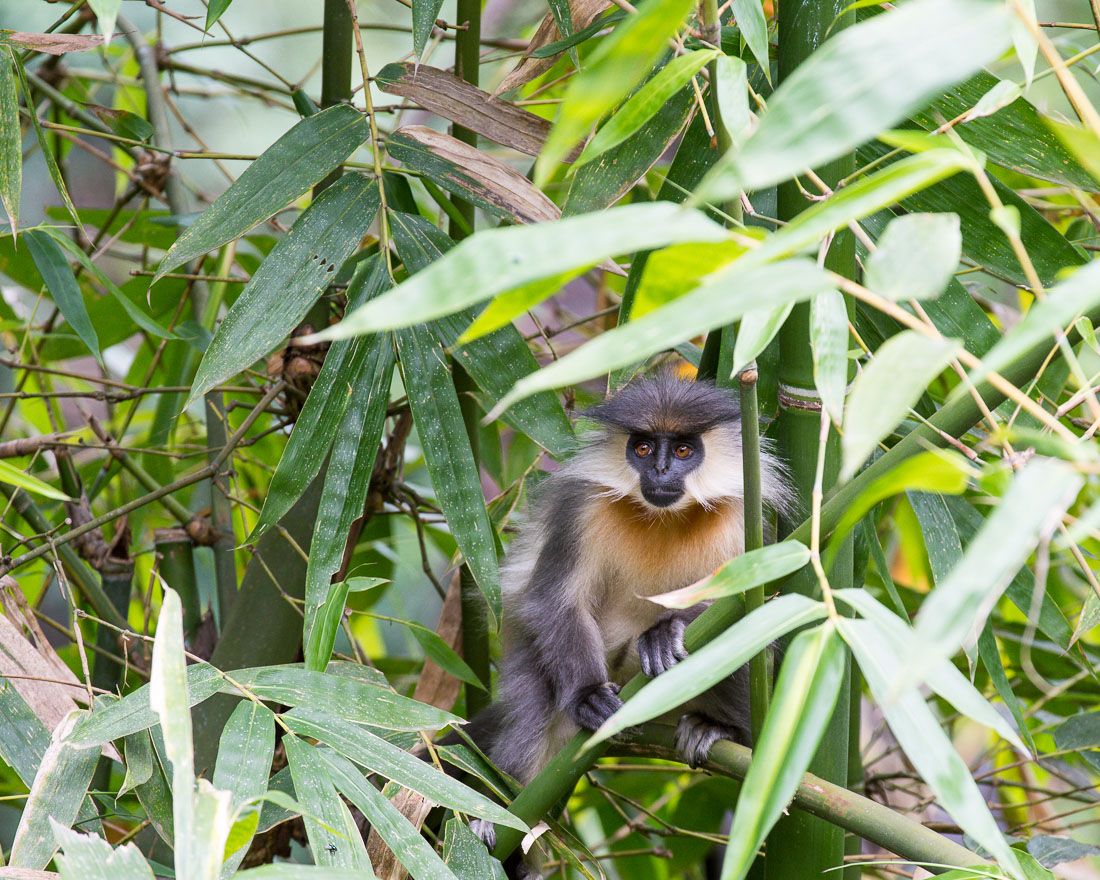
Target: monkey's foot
<point>662,645</point>
<point>594,704</point>
<point>695,734</point>
<point>486,832</point>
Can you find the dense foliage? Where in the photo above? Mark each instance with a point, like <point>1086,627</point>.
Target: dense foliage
<point>268,427</point>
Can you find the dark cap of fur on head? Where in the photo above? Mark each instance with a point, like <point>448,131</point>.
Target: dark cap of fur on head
<point>666,404</point>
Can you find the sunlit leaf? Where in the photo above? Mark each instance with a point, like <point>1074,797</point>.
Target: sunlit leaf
<point>829,340</point>
<point>916,257</point>
<point>740,574</point>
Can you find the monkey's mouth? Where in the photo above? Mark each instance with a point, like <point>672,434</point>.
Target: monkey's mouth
<point>662,496</point>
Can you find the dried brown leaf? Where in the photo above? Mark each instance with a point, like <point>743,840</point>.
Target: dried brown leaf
<point>458,101</point>
<point>584,13</point>
<point>54,44</point>
<point>436,687</point>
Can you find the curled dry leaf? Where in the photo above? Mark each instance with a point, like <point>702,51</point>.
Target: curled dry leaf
<point>472,174</point>
<point>54,44</point>
<point>467,105</point>
<point>584,13</point>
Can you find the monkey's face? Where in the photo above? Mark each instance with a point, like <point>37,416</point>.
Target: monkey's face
<point>663,462</point>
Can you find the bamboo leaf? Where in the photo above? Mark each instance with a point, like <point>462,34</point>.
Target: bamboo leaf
<point>56,794</point>
<point>344,495</point>
<point>349,698</point>
<point>937,470</point>
<point>1034,503</point>
<point>612,71</point>
<point>442,654</point>
<point>416,854</point>
<point>424,14</point>
<point>887,387</point>
<point>749,15</point>
<point>289,280</point>
<point>740,574</point>
<point>706,667</point>
<point>916,257</point>
<point>334,837</point>
<point>673,271</point>
<point>756,330</point>
<point>11,142</point>
<point>829,341</point>
<point>1083,144</point>
<point>106,12</point>
<point>88,857</point>
<point>13,476</point>
<point>215,10</point>
<point>286,170</point>
<point>944,679</point>
<point>723,298</point>
<point>60,281</point>
<point>465,852</point>
<point>1078,294</point>
<point>245,751</point>
<point>325,407</point>
<point>447,453</point>
<point>732,91</point>
<point>468,172</point>
<point>375,754</point>
<point>545,46</point>
<point>646,102</point>
<point>861,81</point>
<point>813,669</point>
<point>922,738</point>
<point>452,98</point>
<point>290,871</point>
<point>498,260</point>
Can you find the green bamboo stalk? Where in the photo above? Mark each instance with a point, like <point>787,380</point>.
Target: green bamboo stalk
<point>177,567</point>
<point>467,61</point>
<point>337,46</point>
<point>829,802</point>
<point>759,680</point>
<point>802,846</point>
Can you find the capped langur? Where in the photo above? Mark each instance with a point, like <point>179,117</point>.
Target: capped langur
<point>652,501</point>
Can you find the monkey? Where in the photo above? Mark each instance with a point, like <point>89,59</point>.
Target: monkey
<point>651,501</point>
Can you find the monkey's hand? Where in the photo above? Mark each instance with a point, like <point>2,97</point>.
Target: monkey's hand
<point>591,706</point>
<point>662,645</point>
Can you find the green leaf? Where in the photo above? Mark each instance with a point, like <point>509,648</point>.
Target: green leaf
<point>416,855</point>
<point>890,384</point>
<point>287,169</point>
<point>215,10</point>
<point>59,279</point>
<point>325,407</point>
<point>923,740</point>
<point>106,12</point>
<point>11,141</point>
<point>47,153</point>
<point>740,574</point>
<point>673,271</point>
<point>732,92</point>
<point>424,14</point>
<point>343,697</point>
<point>289,280</point>
<point>991,659</point>
<point>1084,144</point>
<point>749,15</point>
<point>442,654</point>
<point>13,476</point>
<point>133,713</point>
<point>646,102</point>
<point>756,330</point>
<point>139,762</point>
<point>290,871</point>
<point>722,655</point>
<point>723,298</point>
<point>916,257</point>
<point>559,46</point>
<point>829,343</point>
<point>937,470</point>
<point>1079,294</point>
<point>245,751</point>
<point>944,679</point>
<point>861,81</point>
<point>370,751</point>
<point>55,797</point>
<point>451,465</point>
<point>611,72</point>
<point>88,857</point>
<point>813,669</point>
<point>958,606</point>
<point>464,851</point>
<point>498,260</point>
<point>334,838</point>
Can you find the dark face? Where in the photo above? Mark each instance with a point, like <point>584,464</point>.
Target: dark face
<point>663,461</point>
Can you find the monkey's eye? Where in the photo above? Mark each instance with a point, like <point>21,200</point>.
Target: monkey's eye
<point>643,448</point>
<point>683,450</point>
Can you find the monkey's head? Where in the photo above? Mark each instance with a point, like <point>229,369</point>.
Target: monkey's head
<point>668,443</point>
